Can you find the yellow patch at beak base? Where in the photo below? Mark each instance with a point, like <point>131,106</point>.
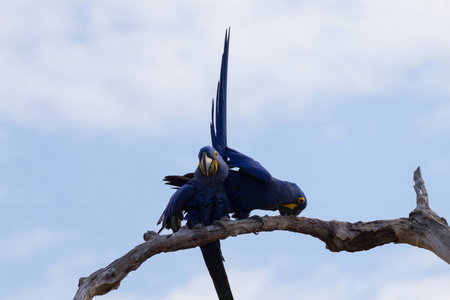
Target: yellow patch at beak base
<point>291,206</point>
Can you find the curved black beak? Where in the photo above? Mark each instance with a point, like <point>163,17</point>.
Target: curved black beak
<point>208,165</point>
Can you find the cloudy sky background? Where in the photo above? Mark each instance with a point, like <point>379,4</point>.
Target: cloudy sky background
<point>100,99</point>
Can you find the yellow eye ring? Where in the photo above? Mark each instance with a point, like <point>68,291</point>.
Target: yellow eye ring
<point>301,200</point>
<point>215,153</point>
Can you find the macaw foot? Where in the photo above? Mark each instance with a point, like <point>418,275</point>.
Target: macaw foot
<point>151,234</point>
<point>258,218</point>
<point>175,223</point>
<point>221,224</point>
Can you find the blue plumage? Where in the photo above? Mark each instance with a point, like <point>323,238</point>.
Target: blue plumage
<point>203,199</point>
<point>215,189</point>
<point>247,193</point>
<point>247,164</point>
<point>219,130</point>
<point>251,186</point>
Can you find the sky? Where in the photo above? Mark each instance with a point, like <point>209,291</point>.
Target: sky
<point>99,100</point>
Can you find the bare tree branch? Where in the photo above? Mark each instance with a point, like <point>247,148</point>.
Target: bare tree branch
<point>423,228</point>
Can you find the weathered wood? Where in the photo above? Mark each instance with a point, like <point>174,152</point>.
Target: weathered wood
<point>423,228</point>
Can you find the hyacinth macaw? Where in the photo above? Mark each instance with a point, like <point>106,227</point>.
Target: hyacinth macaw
<point>251,186</point>
<point>204,200</point>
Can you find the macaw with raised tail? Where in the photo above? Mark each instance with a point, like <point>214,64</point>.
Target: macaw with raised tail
<point>204,200</point>
<point>251,186</point>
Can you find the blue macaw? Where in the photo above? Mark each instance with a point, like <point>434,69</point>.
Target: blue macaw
<point>251,186</point>
<point>204,200</point>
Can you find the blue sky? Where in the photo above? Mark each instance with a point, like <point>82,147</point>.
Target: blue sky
<point>101,99</point>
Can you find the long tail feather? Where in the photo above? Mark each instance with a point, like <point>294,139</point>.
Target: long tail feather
<point>214,262</point>
<point>219,127</point>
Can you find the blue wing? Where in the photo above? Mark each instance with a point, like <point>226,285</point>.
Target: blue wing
<point>219,129</point>
<point>248,164</point>
<point>176,205</point>
<point>219,126</point>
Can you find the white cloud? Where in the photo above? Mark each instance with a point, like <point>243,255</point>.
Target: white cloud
<point>411,274</point>
<point>24,245</point>
<point>432,287</point>
<point>59,280</point>
<point>197,288</point>
<point>247,283</point>
<point>391,278</point>
<point>112,66</point>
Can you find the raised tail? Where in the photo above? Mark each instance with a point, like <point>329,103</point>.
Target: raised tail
<point>219,112</point>
<point>214,262</point>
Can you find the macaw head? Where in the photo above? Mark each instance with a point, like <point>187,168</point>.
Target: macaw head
<point>211,163</point>
<point>294,203</point>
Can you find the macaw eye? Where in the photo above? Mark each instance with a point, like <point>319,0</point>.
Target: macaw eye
<point>301,200</point>
<point>215,153</point>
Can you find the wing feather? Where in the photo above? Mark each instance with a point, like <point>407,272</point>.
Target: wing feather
<point>176,205</point>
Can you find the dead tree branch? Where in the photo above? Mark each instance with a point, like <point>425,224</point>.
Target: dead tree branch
<point>423,228</point>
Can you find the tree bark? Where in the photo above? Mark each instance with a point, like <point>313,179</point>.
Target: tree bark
<point>423,228</point>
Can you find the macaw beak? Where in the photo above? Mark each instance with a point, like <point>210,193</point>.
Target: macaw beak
<point>293,208</point>
<point>208,165</point>
<point>289,209</point>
